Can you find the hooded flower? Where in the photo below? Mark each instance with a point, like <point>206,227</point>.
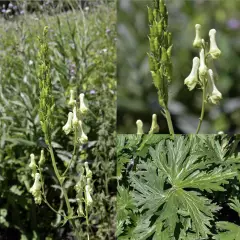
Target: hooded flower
<point>215,96</point>
<point>139,127</point>
<point>154,126</point>
<point>83,108</point>
<point>89,200</point>
<point>82,137</point>
<point>214,50</point>
<point>197,41</point>
<point>72,101</point>
<point>192,80</point>
<point>42,158</point>
<point>88,171</point>
<point>74,118</point>
<point>36,189</point>
<point>202,68</point>
<point>68,126</point>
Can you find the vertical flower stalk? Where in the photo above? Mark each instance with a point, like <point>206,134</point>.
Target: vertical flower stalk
<point>160,63</point>
<point>201,74</point>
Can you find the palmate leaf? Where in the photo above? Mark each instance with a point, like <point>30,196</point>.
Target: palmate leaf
<point>231,231</point>
<point>169,183</point>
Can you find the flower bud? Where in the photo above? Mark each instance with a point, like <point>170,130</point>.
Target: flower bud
<point>215,96</point>
<point>154,126</point>
<point>192,79</point>
<point>72,101</point>
<point>68,126</point>
<point>89,200</point>
<point>197,41</point>
<point>36,189</point>
<point>88,171</point>
<point>214,50</point>
<point>139,127</point>
<point>74,118</point>
<point>83,108</point>
<point>80,208</point>
<point>202,68</point>
<point>42,158</point>
<point>82,138</point>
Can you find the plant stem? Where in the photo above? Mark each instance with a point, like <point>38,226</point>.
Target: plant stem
<point>203,109</point>
<point>169,121</point>
<point>87,221</point>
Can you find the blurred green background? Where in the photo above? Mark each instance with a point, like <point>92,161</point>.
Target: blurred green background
<point>137,97</point>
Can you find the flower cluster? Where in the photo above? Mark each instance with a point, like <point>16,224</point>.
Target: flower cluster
<point>35,190</point>
<point>75,118</point>
<point>200,73</point>
<point>84,189</point>
<point>154,127</point>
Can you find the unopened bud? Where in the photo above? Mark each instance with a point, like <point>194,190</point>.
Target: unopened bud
<point>75,118</point>
<point>202,68</point>
<point>42,158</point>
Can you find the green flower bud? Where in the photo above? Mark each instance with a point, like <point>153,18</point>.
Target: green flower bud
<point>139,127</point>
<point>80,211</point>
<point>36,189</point>
<point>215,96</point>
<point>68,126</point>
<point>202,68</point>
<point>74,118</point>
<point>89,200</point>
<point>197,41</point>
<point>162,7</point>
<point>42,158</point>
<point>156,79</point>
<point>164,57</point>
<point>150,15</point>
<point>88,171</point>
<point>192,80</point>
<point>83,108</point>
<point>154,126</point>
<point>72,101</point>
<point>82,138</point>
<point>214,50</point>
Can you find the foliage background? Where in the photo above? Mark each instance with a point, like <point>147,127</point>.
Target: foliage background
<point>137,97</point>
<point>139,199</point>
<point>83,57</point>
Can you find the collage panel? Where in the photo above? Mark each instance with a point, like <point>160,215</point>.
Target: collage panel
<point>180,188</point>
<point>57,120</point>
<point>178,61</point>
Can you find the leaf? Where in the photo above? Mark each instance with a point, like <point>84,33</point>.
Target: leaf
<point>231,231</point>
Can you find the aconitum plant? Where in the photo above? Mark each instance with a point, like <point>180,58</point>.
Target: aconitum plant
<point>74,124</point>
<point>160,63</point>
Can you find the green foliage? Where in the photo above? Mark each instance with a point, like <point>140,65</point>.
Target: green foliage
<point>171,191</point>
<point>82,55</point>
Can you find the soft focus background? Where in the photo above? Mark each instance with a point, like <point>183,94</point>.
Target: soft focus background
<point>82,42</point>
<point>137,97</point>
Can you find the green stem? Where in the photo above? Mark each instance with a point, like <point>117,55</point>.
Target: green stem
<point>203,109</point>
<point>87,221</point>
<point>169,121</point>
<point>74,152</point>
